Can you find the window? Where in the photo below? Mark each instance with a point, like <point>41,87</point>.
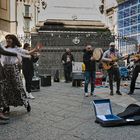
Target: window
<point>127,4</point>
<point>134,29</point>
<point>127,31</point>
<point>120,24</point>
<point>3,4</point>
<point>138,38</point>
<point>133,20</point>
<point>121,32</point>
<point>120,14</point>
<point>26,25</point>
<point>121,6</point>
<point>126,22</point>
<point>27,10</point>
<point>139,8</point>
<point>126,13</point>
<point>139,28</point>
<point>138,18</point>
<point>134,10</point>
<point>133,2</point>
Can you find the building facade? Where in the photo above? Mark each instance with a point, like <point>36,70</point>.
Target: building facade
<point>19,17</point>
<point>8,20</point>
<point>129,24</point>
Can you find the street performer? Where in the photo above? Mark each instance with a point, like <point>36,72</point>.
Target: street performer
<point>108,57</point>
<point>136,71</point>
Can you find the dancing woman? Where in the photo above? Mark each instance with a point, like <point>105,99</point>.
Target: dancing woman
<point>2,80</point>
<point>14,92</point>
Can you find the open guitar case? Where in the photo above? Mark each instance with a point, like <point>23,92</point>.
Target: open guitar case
<point>106,118</point>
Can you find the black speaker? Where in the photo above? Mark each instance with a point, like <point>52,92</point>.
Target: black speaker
<point>45,80</point>
<point>35,84</point>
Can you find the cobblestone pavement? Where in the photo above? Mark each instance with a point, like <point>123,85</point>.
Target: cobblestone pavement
<point>61,112</point>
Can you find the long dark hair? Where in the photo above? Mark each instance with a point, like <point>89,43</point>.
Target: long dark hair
<point>26,45</point>
<point>15,40</point>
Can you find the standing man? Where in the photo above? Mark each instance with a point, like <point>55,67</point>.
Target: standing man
<point>90,69</point>
<point>136,71</point>
<point>67,60</point>
<point>28,70</point>
<point>113,72</point>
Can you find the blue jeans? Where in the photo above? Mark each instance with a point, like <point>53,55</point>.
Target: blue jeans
<point>89,77</point>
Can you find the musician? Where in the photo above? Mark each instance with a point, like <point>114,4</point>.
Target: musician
<point>90,69</point>
<point>67,60</point>
<point>136,71</point>
<point>113,72</point>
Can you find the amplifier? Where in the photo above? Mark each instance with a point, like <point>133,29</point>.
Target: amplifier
<point>35,84</point>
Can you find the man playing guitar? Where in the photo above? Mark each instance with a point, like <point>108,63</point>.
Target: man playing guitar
<point>113,72</point>
<point>136,71</point>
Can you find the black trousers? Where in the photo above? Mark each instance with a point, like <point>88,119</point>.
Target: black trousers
<point>136,71</point>
<point>114,74</point>
<point>28,81</point>
<point>67,73</point>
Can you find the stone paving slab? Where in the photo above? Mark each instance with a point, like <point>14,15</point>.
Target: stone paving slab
<point>61,112</point>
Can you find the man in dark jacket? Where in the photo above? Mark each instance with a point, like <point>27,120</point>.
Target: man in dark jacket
<point>136,71</point>
<point>28,70</point>
<point>67,60</point>
<point>90,69</point>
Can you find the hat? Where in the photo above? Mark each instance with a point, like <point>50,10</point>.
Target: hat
<point>112,44</point>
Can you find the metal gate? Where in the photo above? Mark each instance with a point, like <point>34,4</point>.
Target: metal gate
<point>55,42</point>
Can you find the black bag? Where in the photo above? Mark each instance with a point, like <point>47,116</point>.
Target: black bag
<point>131,114</point>
<point>56,76</point>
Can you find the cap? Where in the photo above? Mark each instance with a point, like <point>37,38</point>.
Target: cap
<point>112,44</point>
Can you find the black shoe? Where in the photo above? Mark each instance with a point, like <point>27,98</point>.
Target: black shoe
<point>6,110</point>
<point>2,117</point>
<point>111,92</point>
<point>91,94</point>
<point>130,93</point>
<point>118,92</point>
<point>3,122</point>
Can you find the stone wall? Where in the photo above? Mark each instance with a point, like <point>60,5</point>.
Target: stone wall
<point>55,43</point>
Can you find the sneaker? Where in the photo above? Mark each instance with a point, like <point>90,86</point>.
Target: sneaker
<point>92,94</point>
<point>30,96</point>
<point>118,92</point>
<point>86,94</point>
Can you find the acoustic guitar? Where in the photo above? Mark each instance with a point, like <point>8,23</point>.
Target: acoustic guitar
<point>135,56</point>
<point>107,65</point>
